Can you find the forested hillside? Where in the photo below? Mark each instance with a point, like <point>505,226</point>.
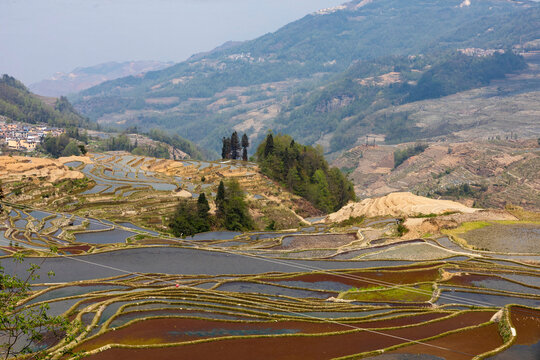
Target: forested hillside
<point>369,86</point>
<point>263,83</point>
<point>19,104</point>
<point>304,171</point>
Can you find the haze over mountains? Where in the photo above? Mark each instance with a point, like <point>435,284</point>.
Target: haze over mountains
<point>83,78</point>
<point>268,82</point>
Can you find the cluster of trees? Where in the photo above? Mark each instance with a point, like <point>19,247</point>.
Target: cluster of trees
<point>62,145</point>
<point>401,155</point>
<point>231,147</point>
<point>305,172</point>
<point>462,191</point>
<point>193,217</point>
<point>177,142</point>
<point>460,72</point>
<point>123,143</point>
<point>118,143</point>
<point>232,210</point>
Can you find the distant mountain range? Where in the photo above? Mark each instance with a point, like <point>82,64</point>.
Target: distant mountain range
<point>331,69</point>
<point>83,78</point>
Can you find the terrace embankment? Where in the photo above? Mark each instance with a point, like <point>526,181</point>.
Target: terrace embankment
<point>398,204</point>
<point>14,168</point>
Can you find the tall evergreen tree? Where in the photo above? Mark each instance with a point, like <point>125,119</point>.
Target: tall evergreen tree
<point>203,217</point>
<point>236,215</point>
<point>245,145</point>
<point>220,197</point>
<point>245,141</point>
<point>269,147</point>
<point>235,146</point>
<point>202,206</point>
<point>226,149</point>
<point>1,197</point>
<point>182,223</point>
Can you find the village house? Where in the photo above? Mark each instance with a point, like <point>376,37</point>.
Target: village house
<point>24,137</point>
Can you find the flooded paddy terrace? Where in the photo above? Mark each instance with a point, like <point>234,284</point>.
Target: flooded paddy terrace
<point>313,292</point>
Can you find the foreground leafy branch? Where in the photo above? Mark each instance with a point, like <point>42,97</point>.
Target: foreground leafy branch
<point>26,330</point>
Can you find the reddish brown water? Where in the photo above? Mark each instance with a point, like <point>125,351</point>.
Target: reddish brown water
<point>527,325</point>
<point>463,345</point>
<point>295,347</point>
<point>371,278</point>
<point>167,330</point>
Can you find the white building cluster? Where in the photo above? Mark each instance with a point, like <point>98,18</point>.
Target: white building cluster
<point>24,137</point>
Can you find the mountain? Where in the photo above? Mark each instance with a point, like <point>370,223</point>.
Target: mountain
<point>268,82</point>
<point>85,77</point>
<point>17,103</point>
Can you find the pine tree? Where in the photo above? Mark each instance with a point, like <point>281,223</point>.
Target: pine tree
<point>202,206</point>
<point>226,149</point>
<point>269,146</point>
<point>245,141</point>
<point>245,145</point>
<point>203,221</point>
<point>1,197</point>
<point>235,146</point>
<point>236,215</point>
<point>182,223</point>
<point>220,198</point>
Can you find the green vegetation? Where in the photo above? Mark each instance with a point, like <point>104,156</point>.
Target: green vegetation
<point>232,212</point>
<point>462,190</point>
<point>123,143</point>
<point>117,143</point>
<point>346,105</point>
<point>327,56</point>
<point>177,142</point>
<point>23,331</point>
<point>352,221</point>
<point>420,293</point>
<point>401,229</point>
<point>191,217</point>
<point>461,72</point>
<point>465,228</point>
<point>305,172</point>
<point>401,155</point>
<point>432,215</point>
<point>19,104</point>
<point>58,146</point>
<point>231,147</point>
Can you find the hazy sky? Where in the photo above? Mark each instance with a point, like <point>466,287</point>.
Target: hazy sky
<point>41,37</point>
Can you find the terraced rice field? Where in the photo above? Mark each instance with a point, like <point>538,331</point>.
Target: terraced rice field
<point>308,293</point>
<point>194,301</point>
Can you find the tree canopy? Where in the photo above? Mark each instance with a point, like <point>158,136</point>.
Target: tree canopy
<point>304,171</point>
<point>232,213</point>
